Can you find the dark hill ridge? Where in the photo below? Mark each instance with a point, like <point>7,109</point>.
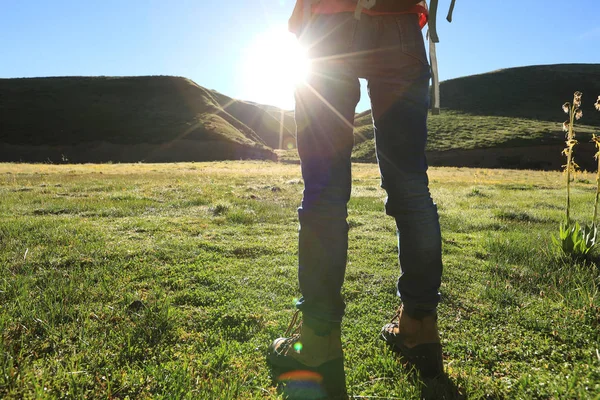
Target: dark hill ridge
<point>534,92</point>
<point>40,115</point>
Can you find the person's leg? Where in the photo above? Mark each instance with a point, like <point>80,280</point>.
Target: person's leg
<point>399,88</point>
<point>325,106</point>
<point>399,92</point>
<point>324,114</point>
<point>400,139</point>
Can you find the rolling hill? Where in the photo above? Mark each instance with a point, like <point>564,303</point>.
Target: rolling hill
<point>533,92</point>
<point>129,119</point>
<point>507,118</point>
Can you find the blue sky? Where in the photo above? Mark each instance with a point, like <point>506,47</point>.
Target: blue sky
<point>212,42</point>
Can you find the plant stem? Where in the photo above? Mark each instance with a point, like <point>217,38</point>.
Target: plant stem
<point>597,186</point>
<point>569,185</point>
<point>570,136</point>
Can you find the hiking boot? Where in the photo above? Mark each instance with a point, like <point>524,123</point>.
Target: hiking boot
<point>417,341</point>
<point>309,364</point>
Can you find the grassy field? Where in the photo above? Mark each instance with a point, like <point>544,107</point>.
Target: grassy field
<point>170,280</point>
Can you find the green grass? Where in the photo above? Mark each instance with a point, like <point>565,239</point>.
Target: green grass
<point>170,281</point>
<point>452,130</point>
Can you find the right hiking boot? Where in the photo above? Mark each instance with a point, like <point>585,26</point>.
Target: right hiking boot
<point>417,341</point>
<point>309,364</point>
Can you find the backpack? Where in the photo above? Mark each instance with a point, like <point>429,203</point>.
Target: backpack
<point>383,5</point>
<point>302,14</point>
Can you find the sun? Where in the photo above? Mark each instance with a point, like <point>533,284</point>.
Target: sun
<point>272,65</point>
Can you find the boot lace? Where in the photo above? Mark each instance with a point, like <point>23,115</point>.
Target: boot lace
<point>292,334</point>
<point>396,316</point>
<point>290,328</point>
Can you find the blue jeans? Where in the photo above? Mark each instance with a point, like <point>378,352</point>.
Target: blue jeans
<point>389,52</point>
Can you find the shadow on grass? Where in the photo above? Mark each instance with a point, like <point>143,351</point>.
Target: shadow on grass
<point>441,388</point>
<point>325,382</point>
<point>330,384</point>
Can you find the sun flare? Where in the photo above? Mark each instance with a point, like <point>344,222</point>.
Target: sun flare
<point>273,64</point>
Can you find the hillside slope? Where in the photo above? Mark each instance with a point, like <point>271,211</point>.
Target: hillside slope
<point>112,118</point>
<point>535,92</point>
<point>275,126</point>
<point>491,119</point>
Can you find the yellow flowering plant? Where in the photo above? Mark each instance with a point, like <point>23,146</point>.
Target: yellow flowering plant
<point>596,140</point>
<point>573,239</point>
<point>574,111</point>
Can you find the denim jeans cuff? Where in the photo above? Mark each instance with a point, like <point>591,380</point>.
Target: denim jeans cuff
<point>419,313</point>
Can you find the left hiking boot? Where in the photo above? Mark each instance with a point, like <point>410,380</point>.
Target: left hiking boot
<point>309,364</point>
<point>417,341</point>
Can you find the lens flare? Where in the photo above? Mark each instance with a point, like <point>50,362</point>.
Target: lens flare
<point>302,385</point>
<point>298,347</point>
<point>301,376</point>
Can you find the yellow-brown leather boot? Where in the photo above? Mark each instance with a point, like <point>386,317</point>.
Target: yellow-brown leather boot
<point>417,340</point>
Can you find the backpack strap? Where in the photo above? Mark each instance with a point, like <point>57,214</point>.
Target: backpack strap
<point>360,4</point>
<point>307,12</point>
<point>435,79</point>
<point>450,11</point>
<point>432,23</point>
<point>433,39</point>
